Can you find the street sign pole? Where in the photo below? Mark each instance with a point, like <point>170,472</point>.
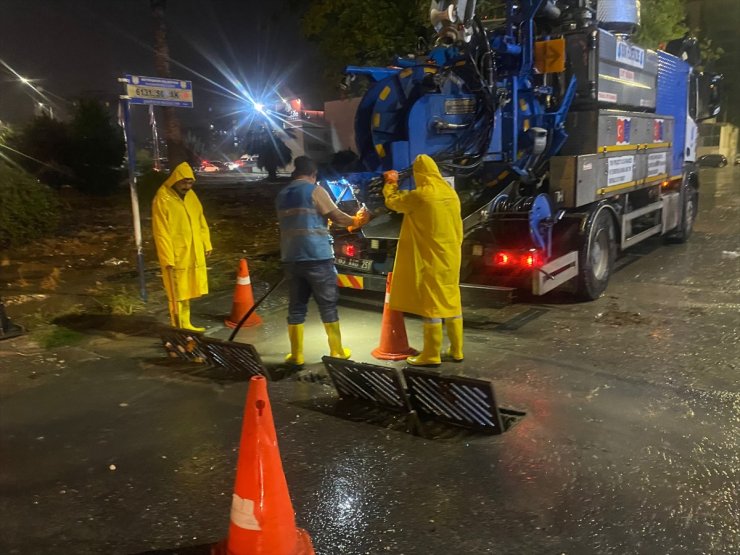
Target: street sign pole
<point>151,91</point>
<point>155,138</point>
<point>131,151</point>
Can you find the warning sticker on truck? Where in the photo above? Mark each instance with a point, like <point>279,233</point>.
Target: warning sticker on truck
<point>620,170</point>
<point>607,97</point>
<point>656,164</point>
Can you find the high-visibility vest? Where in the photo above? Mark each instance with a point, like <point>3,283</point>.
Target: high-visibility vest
<point>304,234</point>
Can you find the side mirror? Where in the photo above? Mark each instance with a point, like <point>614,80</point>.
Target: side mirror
<point>708,101</point>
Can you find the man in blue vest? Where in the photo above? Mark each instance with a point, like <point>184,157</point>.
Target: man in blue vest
<point>303,210</point>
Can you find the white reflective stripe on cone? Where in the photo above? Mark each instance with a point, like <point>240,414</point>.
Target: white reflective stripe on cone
<point>243,281</point>
<point>242,513</point>
<point>387,298</point>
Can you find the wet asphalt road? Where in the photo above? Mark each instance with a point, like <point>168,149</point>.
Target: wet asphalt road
<point>630,443</point>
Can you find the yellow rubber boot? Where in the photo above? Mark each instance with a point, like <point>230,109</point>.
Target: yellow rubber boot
<point>295,334</point>
<point>184,308</point>
<point>335,341</point>
<point>431,353</point>
<point>455,335</point>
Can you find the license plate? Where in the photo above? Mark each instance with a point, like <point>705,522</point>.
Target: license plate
<point>354,263</point>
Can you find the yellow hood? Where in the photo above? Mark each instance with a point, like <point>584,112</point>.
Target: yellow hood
<point>183,171</point>
<point>426,173</point>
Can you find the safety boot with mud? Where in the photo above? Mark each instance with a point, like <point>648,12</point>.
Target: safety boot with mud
<point>430,355</point>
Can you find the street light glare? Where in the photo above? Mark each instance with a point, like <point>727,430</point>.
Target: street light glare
<point>259,106</point>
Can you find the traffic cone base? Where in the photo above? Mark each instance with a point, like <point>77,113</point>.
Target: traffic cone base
<point>394,344</point>
<point>243,299</point>
<point>304,546</point>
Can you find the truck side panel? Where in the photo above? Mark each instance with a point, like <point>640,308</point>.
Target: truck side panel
<point>672,100</point>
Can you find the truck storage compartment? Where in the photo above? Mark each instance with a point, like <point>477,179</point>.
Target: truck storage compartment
<point>610,152</point>
<point>611,71</point>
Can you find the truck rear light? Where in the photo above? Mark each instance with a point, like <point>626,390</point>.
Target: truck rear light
<point>348,249</point>
<point>503,259</point>
<point>532,259</point>
<point>508,259</point>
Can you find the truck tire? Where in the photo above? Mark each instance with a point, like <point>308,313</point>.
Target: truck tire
<point>688,215</point>
<point>596,256</point>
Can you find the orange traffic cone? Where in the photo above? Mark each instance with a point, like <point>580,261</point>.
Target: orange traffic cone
<point>243,299</point>
<point>394,345</point>
<point>262,517</point>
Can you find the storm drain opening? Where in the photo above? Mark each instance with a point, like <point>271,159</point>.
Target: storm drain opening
<point>378,385</point>
<point>186,345</point>
<point>238,359</point>
<point>214,359</point>
<point>458,401</point>
<point>434,406</point>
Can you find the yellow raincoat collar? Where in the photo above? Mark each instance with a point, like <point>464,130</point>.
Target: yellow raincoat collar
<point>426,173</point>
<point>182,171</point>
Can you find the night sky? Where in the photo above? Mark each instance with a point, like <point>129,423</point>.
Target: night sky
<point>71,46</point>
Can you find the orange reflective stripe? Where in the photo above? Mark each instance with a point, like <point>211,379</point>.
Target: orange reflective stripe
<point>353,282</point>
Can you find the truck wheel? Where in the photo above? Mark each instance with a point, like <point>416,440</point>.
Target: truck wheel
<point>596,257</point>
<point>689,215</point>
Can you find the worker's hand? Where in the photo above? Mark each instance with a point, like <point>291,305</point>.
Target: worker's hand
<point>391,176</point>
<point>208,253</point>
<point>359,219</point>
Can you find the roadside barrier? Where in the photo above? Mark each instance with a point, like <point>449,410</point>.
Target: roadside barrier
<point>243,299</point>
<point>394,343</point>
<point>262,520</point>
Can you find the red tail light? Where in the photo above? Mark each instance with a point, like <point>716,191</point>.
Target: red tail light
<point>502,259</point>
<point>349,249</point>
<point>532,259</point>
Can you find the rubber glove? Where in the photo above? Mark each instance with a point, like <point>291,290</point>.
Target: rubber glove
<point>359,219</point>
<point>391,176</point>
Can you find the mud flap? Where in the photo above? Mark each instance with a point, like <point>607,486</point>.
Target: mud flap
<point>555,273</point>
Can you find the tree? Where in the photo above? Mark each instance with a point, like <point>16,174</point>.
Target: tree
<point>270,149</point>
<point>97,148</point>
<point>358,32</point>
<point>661,21</point>
<point>176,151</point>
<point>43,147</point>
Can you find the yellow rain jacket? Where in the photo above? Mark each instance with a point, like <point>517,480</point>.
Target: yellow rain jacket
<point>182,237</point>
<point>426,274</point>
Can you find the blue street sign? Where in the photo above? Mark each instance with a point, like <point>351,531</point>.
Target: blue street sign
<point>159,91</point>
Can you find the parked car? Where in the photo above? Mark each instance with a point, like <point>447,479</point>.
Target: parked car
<point>208,167</point>
<point>712,161</point>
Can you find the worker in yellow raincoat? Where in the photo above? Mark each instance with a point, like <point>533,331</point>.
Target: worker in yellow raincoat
<point>426,273</point>
<point>183,243</point>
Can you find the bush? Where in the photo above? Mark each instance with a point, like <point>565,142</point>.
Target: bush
<point>28,209</point>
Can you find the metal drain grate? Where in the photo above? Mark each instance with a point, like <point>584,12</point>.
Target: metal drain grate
<point>184,344</point>
<point>375,384</point>
<point>237,358</point>
<point>465,402</point>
